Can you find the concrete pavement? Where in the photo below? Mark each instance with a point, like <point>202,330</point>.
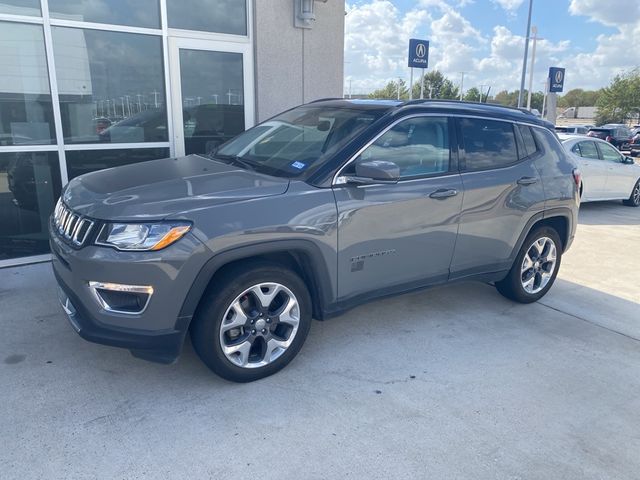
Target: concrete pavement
<point>453,382</point>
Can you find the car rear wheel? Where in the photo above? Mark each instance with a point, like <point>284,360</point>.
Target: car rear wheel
<point>634,198</point>
<point>253,322</point>
<point>535,268</point>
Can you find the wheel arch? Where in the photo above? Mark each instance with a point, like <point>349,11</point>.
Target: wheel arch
<point>302,256</point>
<point>560,219</point>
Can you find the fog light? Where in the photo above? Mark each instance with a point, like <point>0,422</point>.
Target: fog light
<point>119,298</point>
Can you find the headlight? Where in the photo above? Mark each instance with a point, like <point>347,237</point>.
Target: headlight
<point>141,236</point>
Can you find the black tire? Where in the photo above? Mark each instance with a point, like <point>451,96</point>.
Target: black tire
<point>511,286</point>
<point>634,198</point>
<point>226,287</point>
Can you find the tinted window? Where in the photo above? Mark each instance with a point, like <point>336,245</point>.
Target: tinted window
<point>488,143</point>
<point>419,146</point>
<point>530,146</point>
<point>26,111</point>
<point>111,86</point>
<point>80,162</point>
<point>587,150</point>
<point>220,16</point>
<point>609,153</point>
<point>29,188</point>
<point>139,13</point>
<point>20,7</point>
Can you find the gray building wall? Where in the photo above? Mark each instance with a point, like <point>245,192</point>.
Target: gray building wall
<point>295,65</point>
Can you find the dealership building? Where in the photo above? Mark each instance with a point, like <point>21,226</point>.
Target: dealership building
<point>92,84</point>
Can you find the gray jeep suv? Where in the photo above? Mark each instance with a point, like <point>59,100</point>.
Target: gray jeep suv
<point>310,213</point>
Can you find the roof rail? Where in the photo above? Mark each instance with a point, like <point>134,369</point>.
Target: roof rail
<point>462,102</point>
<point>325,99</point>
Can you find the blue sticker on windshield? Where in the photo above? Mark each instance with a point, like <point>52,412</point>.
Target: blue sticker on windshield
<point>298,165</point>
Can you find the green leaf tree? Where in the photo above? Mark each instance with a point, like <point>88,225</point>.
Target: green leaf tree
<point>620,100</point>
<point>472,95</point>
<point>436,85</point>
<point>390,91</point>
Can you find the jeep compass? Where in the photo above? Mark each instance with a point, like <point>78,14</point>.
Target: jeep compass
<point>319,209</point>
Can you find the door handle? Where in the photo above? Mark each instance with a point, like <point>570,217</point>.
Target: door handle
<point>527,181</point>
<point>443,193</point>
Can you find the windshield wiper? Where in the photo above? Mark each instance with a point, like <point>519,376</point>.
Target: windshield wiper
<point>234,159</point>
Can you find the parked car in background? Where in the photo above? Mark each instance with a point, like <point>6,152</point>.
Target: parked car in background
<point>617,135</point>
<point>606,173</point>
<point>575,129</point>
<point>315,211</point>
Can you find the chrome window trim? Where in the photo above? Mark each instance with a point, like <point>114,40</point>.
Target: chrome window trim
<point>338,179</point>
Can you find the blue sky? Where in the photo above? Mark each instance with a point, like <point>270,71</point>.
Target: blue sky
<point>592,39</point>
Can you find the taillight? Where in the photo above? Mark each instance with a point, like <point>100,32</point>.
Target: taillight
<point>609,138</point>
<point>577,177</point>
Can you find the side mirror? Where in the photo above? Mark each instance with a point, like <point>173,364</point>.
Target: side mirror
<point>628,160</point>
<point>369,172</point>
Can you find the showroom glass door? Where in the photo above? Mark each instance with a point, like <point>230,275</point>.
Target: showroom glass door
<point>211,92</point>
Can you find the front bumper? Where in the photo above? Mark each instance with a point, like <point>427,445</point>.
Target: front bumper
<point>156,334</point>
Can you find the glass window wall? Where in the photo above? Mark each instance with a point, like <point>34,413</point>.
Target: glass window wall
<point>29,188</point>
<point>111,86</point>
<point>219,16</point>
<point>137,13</point>
<point>26,111</point>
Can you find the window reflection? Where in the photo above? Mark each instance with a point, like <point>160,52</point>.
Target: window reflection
<point>212,98</point>
<point>20,7</point>
<point>26,112</point>
<point>29,188</point>
<point>81,162</point>
<point>220,16</point>
<point>138,13</point>
<point>111,86</point>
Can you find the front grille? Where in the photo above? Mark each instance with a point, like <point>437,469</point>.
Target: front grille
<point>73,227</point>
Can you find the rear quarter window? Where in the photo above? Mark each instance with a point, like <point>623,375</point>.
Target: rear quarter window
<point>488,143</point>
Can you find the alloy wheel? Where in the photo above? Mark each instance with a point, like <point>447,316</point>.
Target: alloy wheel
<point>635,195</point>
<point>259,325</point>
<point>538,265</point>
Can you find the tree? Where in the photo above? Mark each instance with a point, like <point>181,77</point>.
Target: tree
<point>472,95</point>
<point>620,100</point>
<point>390,91</point>
<point>436,85</point>
<point>578,98</point>
<point>510,99</point>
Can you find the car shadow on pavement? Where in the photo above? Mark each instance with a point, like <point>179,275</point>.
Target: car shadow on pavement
<point>608,213</point>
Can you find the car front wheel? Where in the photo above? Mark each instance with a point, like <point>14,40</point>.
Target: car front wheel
<point>535,268</point>
<point>253,321</point>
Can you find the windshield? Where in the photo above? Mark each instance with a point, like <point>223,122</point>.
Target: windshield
<point>297,141</point>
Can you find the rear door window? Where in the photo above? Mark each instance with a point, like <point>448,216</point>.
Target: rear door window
<point>587,150</point>
<point>487,143</point>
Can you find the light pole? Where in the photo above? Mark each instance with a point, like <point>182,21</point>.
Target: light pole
<point>524,60</point>
<point>534,30</point>
<point>461,83</point>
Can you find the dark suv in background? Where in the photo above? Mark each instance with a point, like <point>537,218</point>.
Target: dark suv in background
<point>617,135</point>
<point>308,214</point>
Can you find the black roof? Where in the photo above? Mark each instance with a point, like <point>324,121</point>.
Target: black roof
<point>438,106</point>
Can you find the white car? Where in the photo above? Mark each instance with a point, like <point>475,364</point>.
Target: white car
<point>606,173</point>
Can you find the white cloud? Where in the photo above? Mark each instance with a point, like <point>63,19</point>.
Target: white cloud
<point>614,13</point>
<point>509,5</point>
<point>376,40</point>
<point>377,35</point>
<point>614,53</point>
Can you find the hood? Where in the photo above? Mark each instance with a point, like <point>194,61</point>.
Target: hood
<point>161,188</point>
